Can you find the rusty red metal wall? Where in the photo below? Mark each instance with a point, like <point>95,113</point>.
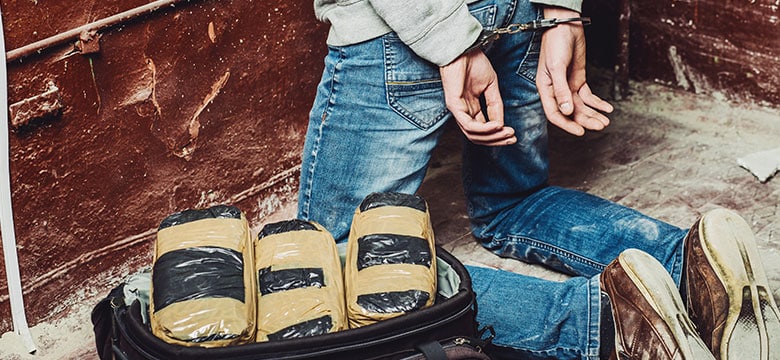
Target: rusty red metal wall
<point>200,103</point>
<point>729,49</point>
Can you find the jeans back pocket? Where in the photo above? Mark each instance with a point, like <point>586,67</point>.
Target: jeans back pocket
<point>413,85</point>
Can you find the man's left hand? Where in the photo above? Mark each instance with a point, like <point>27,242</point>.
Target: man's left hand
<point>566,97</point>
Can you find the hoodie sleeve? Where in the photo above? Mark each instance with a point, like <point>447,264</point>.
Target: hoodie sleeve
<point>436,30</point>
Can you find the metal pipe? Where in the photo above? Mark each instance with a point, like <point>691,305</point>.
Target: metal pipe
<point>60,38</point>
<point>7,217</point>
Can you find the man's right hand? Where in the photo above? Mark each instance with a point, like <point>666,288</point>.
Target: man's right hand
<point>466,79</point>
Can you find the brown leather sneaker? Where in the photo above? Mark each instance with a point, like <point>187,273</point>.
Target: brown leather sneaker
<point>650,318</point>
<point>726,289</point>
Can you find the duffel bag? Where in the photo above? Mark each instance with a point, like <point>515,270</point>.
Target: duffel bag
<point>445,330</point>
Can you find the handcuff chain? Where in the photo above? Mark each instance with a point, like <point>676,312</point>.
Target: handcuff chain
<point>488,36</point>
<point>539,24</point>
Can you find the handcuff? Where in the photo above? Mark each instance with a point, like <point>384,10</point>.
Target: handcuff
<point>489,36</point>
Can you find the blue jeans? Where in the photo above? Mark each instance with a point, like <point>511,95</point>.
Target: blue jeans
<point>378,114</point>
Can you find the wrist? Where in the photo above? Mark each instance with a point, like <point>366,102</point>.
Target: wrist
<point>558,12</point>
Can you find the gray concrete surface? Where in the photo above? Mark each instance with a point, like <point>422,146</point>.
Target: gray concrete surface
<point>667,153</point>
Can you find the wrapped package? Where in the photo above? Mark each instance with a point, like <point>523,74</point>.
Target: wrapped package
<point>390,264</point>
<point>299,281</point>
<point>203,285</point>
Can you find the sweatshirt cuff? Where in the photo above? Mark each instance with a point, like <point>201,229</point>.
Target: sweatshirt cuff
<point>449,38</point>
<point>575,5</point>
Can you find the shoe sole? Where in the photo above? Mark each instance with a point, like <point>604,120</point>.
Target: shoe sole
<point>752,327</point>
<point>658,288</point>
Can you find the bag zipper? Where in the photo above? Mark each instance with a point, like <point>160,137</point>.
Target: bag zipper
<point>383,339</point>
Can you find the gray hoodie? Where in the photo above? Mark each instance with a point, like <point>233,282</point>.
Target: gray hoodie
<point>437,30</point>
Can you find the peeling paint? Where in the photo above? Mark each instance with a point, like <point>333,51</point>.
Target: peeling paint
<point>153,86</point>
<point>212,33</point>
<point>679,68</point>
<point>194,124</point>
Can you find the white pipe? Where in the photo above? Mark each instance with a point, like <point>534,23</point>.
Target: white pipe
<point>71,34</point>
<point>7,215</point>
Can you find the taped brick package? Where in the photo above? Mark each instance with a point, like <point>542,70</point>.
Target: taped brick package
<point>390,268</point>
<point>300,282</point>
<point>203,290</point>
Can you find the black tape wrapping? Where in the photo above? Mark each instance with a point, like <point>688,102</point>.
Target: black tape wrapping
<point>318,326</point>
<point>375,200</point>
<point>381,249</point>
<point>285,226</point>
<point>282,280</point>
<point>394,301</point>
<point>213,337</point>
<point>214,212</point>
<point>195,273</point>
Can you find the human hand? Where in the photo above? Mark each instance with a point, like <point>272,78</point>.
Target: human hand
<point>465,80</point>
<point>566,97</point>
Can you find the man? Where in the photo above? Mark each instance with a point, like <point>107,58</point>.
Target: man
<point>396,71</point>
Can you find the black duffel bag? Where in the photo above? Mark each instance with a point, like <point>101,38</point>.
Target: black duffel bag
<point>446,330</point>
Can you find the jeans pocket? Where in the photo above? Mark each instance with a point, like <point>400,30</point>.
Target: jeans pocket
<point>485,14</point>
<point>413,85</point>
<point>530,62</point>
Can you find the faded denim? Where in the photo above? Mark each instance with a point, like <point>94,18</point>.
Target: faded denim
<point>379,112</point>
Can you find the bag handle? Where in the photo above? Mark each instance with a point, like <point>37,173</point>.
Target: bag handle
<point>432,350</point>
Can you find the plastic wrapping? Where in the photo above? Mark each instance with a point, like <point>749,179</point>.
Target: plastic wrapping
<point>300,283</point>
<point>203,285</point>
<point>389,268</point>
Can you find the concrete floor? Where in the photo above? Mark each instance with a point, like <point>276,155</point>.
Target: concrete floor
<point>669,154</point>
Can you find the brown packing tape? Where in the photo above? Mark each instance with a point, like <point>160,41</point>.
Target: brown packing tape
<point>176,323</point>
<point>300,249</point>
<point>204,317</point>
<point>385,278</point>
<point>392,220</point>
<point>222,232</point>
<point>398,220</point>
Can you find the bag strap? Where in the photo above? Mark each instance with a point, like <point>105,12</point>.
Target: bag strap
<point>115,307</point>
<point>432,350</point>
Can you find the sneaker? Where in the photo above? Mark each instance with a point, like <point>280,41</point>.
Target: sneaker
<point>726,289</point>
<point>649,315</point>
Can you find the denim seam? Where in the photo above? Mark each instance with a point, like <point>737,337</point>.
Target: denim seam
<point>678,263</point>
<point>488,22</point>
<point>594,318</point>
<point>510,13</point>
<point>305,208</point>
<point>523,70</point>
<point>558,251</point>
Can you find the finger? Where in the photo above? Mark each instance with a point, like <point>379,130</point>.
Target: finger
<point>506,142</point>
<point>552,111</point>
<point>476,125</point>
<point>475,110</point>
<point>504,137</point>
<point>561,90</point>
<point>494,104</point>
<point>592,100</point>
<point>587,117</point>
<point>481,132</point>
<point>544,87</point>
